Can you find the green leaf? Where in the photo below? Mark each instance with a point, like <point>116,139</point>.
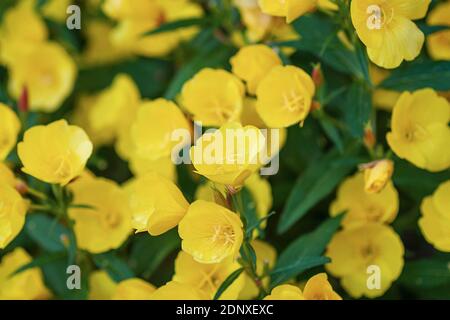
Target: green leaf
<point>47,232</point>
<point>228,282</point>
<point>358,109</point>
<point>418,75</point>
<point>319,180</point>
<point>427,30</point>
<point>183,23</point>
<point>426,273</point>
<point>148,252</point>
<point>305,252</point>
<point>248,210</point>
<point>332,132</point>
<point>40,262</point>
<point>117,269</point>
<point>248,254</point>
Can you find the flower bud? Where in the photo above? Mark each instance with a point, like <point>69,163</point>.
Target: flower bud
<point>377,174</point>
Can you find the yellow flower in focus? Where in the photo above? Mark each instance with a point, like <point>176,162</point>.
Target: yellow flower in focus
<point>27,285</point>
<point>252,63</point>
<point>229,155</point>
<point>133,289</point>
<point>382,98</point>
<point>420,131</point>
<point>208,277</point>
<point>55,153</point>
<point>362,207</point>
<point>178,291</point>
<point>210,233</point>
<point>106,224</point>
<point>114,108</point>
<point>56,9</point>
<point>265,260</point>
<point>438,43</point>
<point>377,174</point>
<point>284,96</point>
<point>101,286</point>
<point>152,130</point>
<point>156,203</point>
<point>435,220</point>
<point>47,72</point>
<point>387,30</point>
<point>12,213</point>
<point>214,97</point>
<point>9,129</point>
<point>162,166</point>
<point>318,288</point>
<point>17,37</point>
<point>285,292</point>
<point>291,9</point>
<point>353,250</point>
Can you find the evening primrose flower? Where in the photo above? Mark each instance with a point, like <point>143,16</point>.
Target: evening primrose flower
<point>214,97</point>
<point>156,204</point>
<point>362,207</point>
<point>55,153</point>
<point>228,155</point>
<point>6,175</point>
<point>420,131</point>
<point>133,289</point>
<point>284,96</point>
<point>26,285</point>
<point>252,63</point>
<point>174,290</point>
<point>438,43</point>
<point>353,250</point>
<point>266,256</point>
<point>101,286</point>
<point>291,9</point>
<point>12,213</point>
<point>210,233</point>
<point>106,223</point>
<point>9,129</point>
<point>162,166</point>
<point>208,277</point>
<point>435,220</point>
<point>285,292</point>
<point>47,72</point>
<point>377,174</point>
<point>152,130</point>
<point>387,30</point>
<point>318,288</point>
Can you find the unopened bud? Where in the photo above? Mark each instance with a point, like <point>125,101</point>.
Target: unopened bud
<point>377,174</point>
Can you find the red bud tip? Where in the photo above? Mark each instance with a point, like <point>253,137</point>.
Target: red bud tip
<point>23,100</point>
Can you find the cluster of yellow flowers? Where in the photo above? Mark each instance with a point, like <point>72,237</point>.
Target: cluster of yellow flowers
<point>259,92</point>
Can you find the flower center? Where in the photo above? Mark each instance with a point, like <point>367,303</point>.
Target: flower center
<point>414,133</point>
<point>368,252</point>
<point>63,169</point>
<point>223,234</point>
<point>373,213</point>
<point>111,219</point>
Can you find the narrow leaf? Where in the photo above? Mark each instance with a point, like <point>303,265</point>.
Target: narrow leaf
<point>228,282</point>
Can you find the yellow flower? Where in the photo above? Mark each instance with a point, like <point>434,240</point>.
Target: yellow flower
<point>385,27</point>
<point>213,97</point>
<point>133,289</point>
<point>318,288</point>
<point>106,224</point>
<point>228,155</point>
<point>377,174</point>
<point>285,292</point>
<point>291,9</point>
<point>382,98</point>
<point>178,291</point>
<point>47,72</point>
<point>101,286</point>
<point>115,108</point>
<point>12,213</point>
<point>9,129</point>
<point>208,277</point>
<point>27,285</point>
<point>152,130</point>
<point>362,207</point>
<point>420,131</point>
<point>438,43</point>
<point>210,232</point>
<point>7,176</point>
<point>252,63</point>
<point>163,166</point>
<point>284,96</point>
<point>56,10</point>
<point>435,220</point>
<point>249,115</point>
<point>265,260</point>
<point>354,251</point>
<point>55,153</point>
<point>17,37</point>
<point>157,205</point>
